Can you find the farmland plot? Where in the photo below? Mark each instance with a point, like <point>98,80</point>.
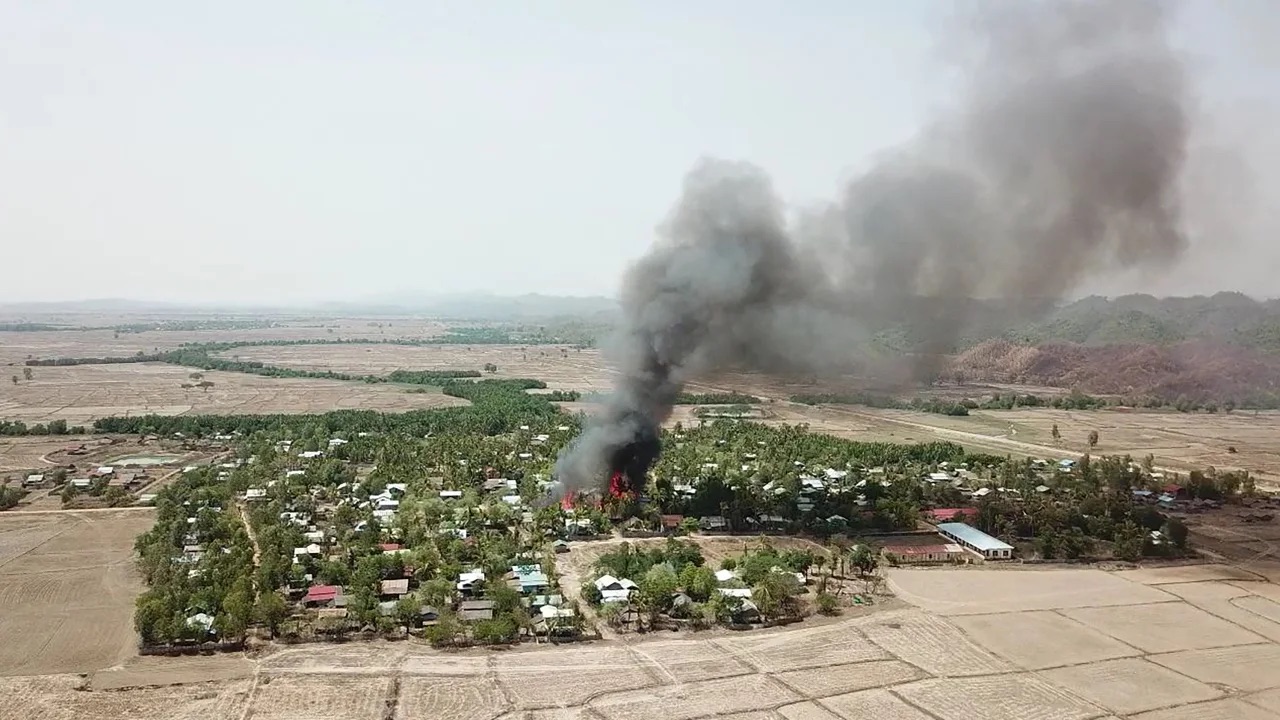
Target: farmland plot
<point>67,593</point>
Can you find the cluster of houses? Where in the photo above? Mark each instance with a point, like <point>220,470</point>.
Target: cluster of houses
<point>621,592</point>
<point>548,610</point>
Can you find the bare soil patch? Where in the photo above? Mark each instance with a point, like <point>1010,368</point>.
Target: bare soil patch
<point>475,698</point>
<point>561,367</point>
<point>320,697</point>
<point>996,698</point>
<point>840,679</point>
<point>1227,709</point>
<point>16,347</point>
<point>146,671</point>
<point>79,394</point>
<point>932,644</point>
<point>872,704</point>
<point>569,677</point>
<point>800,648</point>
<point>67,590</point>
<point>1247,667</point>
<point>27,453</point>
<point>980,592</point>
<point>696,700</point>
<point>57,697</point>
<point>1131,685</point>
<point>1059,640</point>
<point>1166,627</point>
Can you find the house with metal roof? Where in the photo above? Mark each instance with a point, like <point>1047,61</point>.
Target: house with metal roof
<point>971,538</point>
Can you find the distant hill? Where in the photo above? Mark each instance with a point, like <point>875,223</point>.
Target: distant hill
<point>1198,372</point>
<point>1226,317</point>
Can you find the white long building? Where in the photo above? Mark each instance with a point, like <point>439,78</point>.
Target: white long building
<point>971,538</point>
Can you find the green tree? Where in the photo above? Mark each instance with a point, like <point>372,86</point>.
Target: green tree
<point>446,630</point>
<point>501,629</point>
<point>1177,532</point>
<point>827,603</point>
<point>656,588</point>
<point>864,558</point>
<point>1129,541</point>
<point>151,618</point>
<point>438,592</point>
<point>271,610</point>
<point>773,595</point>
<point>699,581</point>
<point>407,610</point>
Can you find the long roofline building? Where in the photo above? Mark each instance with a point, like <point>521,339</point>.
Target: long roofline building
<point>974,539</point>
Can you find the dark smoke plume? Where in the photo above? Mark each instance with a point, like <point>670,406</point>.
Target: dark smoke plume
<point>1061,162</point>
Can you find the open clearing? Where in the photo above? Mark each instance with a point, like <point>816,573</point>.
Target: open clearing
<point>81,393</point>
<point>16,347</point>
<point>1073,659</point>
<point>67,589</point>
<point>21,453</point>
<point>561,367</point>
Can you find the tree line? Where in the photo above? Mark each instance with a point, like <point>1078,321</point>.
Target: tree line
<point>946,406</point>
<point>17,428</point>
<point>729,398</point>
<point>497,406</point>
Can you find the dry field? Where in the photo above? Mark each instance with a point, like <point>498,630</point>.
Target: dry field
<point>581,370</point>
<point>67,588</point>
<point>81,393</point>
<point>23,453</point>
<point>16,347</point>
<point>1140,645</point>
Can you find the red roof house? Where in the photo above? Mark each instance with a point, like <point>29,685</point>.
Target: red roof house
<point>389,547</point>
<point>951,514</point>
<point>321,594</point>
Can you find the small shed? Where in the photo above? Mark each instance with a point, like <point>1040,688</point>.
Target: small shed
<point>472,610</point>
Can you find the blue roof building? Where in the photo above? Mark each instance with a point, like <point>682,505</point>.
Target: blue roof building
<point>974,539</point>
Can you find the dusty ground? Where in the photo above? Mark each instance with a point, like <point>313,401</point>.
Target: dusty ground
<point>22,453</point>
<point>560,367</point>
<point>67,588</point>
<point>16,347</point>
<point>81,393</point>
<point>981,644</point>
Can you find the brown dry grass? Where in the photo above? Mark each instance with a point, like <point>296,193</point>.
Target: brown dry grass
<point>15,347</point>
<point>81,393</point>
<point>582,370</point>
<point>23,453</point>
<point>67,588</point>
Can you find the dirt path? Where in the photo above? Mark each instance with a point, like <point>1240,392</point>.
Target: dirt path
<point>571,583</point>
<point>257,552</point>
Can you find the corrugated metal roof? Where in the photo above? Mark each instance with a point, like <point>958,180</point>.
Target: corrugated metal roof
<point>973,536</point>
<point>923,549</point>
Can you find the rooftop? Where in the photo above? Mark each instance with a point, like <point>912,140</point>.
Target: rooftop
<point>395,587</point>
<point>909,550</point>
<point>973,536</point>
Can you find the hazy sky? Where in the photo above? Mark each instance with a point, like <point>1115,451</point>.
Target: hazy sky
<point>302,150</point>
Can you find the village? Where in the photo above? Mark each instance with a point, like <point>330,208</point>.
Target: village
<point>345,535</point>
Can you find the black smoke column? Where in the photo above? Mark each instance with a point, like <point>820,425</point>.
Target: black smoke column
<point>1061,161</point>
